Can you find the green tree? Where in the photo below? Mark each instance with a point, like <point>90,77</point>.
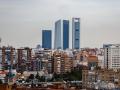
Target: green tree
<point>37,76</point>
<point>1,81</point>
<point>31,76</point>
<point>73,75</point>
<point>42,79</point>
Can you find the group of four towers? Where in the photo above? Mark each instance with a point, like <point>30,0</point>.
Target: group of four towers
<point>62,35</point>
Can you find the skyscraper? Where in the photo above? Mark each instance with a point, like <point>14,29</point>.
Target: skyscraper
<point>75,33</point>
<point>61,34</point>
<point>46,39</point>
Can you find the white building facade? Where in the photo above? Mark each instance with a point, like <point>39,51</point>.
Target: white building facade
<point>112,56</point>
<point>75,33</point>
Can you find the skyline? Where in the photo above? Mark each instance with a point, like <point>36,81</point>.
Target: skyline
<point>22,22</point>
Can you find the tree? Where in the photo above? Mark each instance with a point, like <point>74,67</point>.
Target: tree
<point>37,76</point>
<point>68,76</point>
<point>1,81</point>
<point>31,76</point>
<point>42,79</point>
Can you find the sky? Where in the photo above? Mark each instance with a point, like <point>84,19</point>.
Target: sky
<point>22,21</point>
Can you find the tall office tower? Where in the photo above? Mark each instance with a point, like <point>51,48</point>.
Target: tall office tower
<point>75,33</point>
<point>46,39</point>
<point>61,34</point>
<point>112,56</point>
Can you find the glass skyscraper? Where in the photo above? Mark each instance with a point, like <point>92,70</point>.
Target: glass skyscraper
<point>61,34</point>
<point>46,39</point>
<point>75,33</point>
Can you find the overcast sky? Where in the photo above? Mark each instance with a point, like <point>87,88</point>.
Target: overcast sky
<point>21,21</point>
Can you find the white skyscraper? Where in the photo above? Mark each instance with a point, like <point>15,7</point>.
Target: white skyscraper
<point>61,34</point>
<point>112,56</point>
<point>75,33</point>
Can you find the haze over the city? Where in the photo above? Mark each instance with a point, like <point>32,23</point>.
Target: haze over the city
<point>21,21</point>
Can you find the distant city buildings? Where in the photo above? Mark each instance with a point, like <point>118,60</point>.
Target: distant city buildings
<point>75,33</point>
<point>112,56</point>
<point>47,39</point>
<point>98,65</point>
<point>42,60</point>
<point>8,57</point>
<point>101,79</point>
<point>62,62</point>
<point>61,34</point>
<point>24,57</point>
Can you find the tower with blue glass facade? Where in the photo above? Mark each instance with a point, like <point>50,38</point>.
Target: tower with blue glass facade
<point>75,33</point>
<point>61,34</point>
<point>46,39</point>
